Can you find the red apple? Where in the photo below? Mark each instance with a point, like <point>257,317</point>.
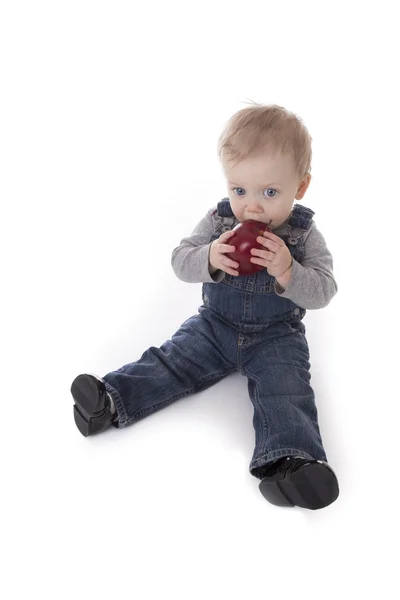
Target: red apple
<point>244,239</point>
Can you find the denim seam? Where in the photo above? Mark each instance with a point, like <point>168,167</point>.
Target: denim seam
<point>159,405</point>
<point>260,407</point>
<point>272,455</point>
<point>121,412</point>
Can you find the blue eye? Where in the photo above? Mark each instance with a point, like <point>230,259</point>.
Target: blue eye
<point>271,190</point>
<point>274,192</point>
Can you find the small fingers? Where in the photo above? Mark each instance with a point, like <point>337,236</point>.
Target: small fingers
<point>264,242</point>
<point>226,248</point>
<point>231,266</point>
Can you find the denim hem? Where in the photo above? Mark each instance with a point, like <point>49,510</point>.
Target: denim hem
<point>121,412</point>
<point>274,454</point>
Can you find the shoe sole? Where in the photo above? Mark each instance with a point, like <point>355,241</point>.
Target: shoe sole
<point>89,403</point>
<point>313,486</point>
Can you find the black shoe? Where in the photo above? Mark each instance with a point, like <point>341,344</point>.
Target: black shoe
<point>300,482</point>
<point>92,409</point>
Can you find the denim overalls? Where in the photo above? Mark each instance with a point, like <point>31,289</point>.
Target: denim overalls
<point>242,325</point>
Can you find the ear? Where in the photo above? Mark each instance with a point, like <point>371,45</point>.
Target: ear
<point>303,187</point>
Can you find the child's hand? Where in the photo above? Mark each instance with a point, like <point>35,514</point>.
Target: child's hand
<point>218,260</point>
<point>276,257</point>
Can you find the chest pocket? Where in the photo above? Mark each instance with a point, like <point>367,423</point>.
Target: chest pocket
<point>262,281</point>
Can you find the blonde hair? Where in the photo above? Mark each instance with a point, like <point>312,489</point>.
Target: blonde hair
<point>259,127</point>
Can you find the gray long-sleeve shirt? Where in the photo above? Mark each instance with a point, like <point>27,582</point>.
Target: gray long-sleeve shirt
<point>312,284</point>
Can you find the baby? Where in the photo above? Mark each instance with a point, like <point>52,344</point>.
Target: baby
<point>250,323</point>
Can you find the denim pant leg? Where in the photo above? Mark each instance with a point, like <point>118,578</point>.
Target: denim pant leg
<point>285,415</point>
<point>190,361</point>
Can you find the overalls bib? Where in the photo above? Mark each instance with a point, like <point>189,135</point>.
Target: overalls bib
<point>250,302</point>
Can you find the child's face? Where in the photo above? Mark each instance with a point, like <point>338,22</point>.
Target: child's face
<point>264,187</point>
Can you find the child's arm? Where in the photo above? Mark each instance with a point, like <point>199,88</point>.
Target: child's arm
<point>311,284</point>
<point>190,260</point>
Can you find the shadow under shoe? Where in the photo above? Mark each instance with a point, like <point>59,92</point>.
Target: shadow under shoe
<point>92,409</point>
<point>300,482</point>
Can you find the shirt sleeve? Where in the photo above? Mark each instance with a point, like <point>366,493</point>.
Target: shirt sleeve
<point>190,260</point>
<point>312,284</point>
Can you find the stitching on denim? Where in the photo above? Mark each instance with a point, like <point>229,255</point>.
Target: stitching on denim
<point>268,456</point>
<point>264,437</point>
<point>120,408</point>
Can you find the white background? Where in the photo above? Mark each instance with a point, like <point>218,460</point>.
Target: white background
<point>110,115</point>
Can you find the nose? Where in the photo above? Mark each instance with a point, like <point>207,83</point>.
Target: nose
<point>255,207</point>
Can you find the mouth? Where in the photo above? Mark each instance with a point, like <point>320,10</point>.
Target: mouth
<point>269,223</point>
